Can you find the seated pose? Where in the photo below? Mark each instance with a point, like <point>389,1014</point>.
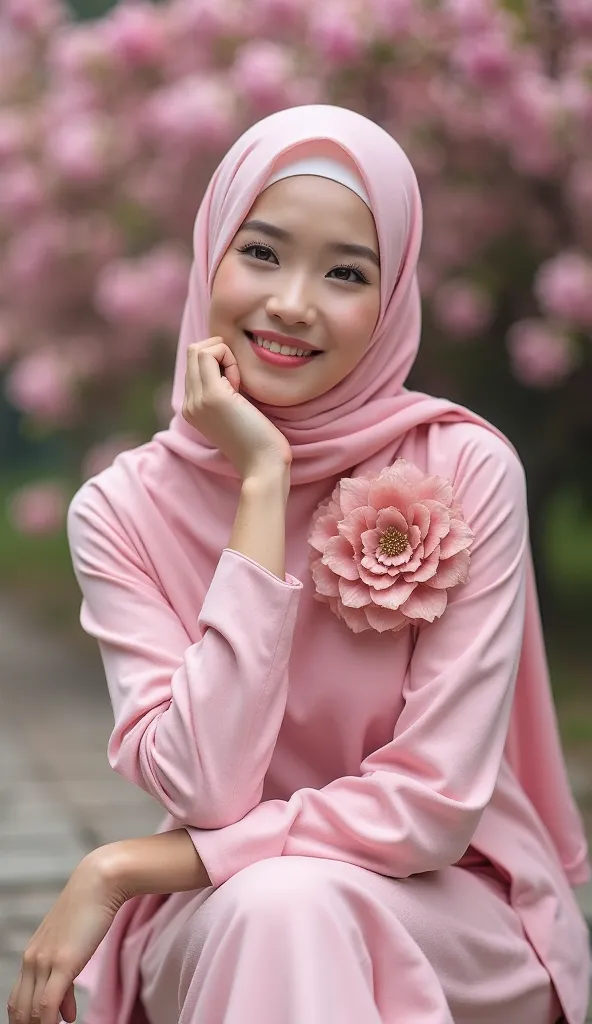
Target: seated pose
<point>314,600</point>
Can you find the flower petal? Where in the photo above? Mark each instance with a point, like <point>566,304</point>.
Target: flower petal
<point>323,528</point>
<point>419,517</point>
<point>338,555</point>
<point>391,491</point>
<point>391,517</point>
<point>355,618</point>
<point>353,493</point>
<point>426,570</point>
<point>356,523</point>
<point>458,539</point>
<point>436,488</point>
<point>370,541</point>
<point>451,571</point>
<point>395,596</point>
<point>377,578</point>
<point>439,525</point>
<point>414,537</point>
<point>421,604</point>
<point>325,581</point>
<point>415,560</point>
<point>354,594</point>
<point>382,619</point>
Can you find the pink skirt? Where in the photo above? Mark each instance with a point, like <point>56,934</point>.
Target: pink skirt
<point>300,940</point>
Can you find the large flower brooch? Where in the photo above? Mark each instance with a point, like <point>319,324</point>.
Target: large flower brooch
<point>387,549</point>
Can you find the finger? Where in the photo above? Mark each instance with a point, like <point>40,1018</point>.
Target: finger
<point>21,1013</point>
<point>13,999</point>
<point>68,1008</point>
<point>58,997</point>
<point>193,384</point>
<point>197,347</point>
<point>41,979</point>
<point>227,364</point>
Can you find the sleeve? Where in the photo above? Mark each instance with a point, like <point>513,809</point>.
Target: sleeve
<point>418,800</point>
<point>196,723</point>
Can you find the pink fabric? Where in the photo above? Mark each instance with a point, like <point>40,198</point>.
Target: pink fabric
<point>395,969</point>
<point>259,720</point>
<point>360,418</point>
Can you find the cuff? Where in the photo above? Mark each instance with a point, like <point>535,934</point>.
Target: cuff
<point>261,834</point>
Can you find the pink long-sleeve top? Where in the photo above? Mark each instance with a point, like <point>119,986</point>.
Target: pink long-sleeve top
<point>265,726</point>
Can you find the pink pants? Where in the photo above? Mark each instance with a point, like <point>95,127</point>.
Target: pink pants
<point>299,940</point>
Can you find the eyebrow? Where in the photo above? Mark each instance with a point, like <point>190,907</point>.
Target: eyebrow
<point>343,248</point>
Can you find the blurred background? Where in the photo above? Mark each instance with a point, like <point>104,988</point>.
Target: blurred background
<point>112,118</point>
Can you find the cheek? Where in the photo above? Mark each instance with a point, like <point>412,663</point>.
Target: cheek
<point>232,292</point>
<point>354,323</point>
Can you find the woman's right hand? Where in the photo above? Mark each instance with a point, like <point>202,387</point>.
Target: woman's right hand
<point>215,407</point>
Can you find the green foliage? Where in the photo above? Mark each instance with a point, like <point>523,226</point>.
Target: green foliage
<point>91,8</point>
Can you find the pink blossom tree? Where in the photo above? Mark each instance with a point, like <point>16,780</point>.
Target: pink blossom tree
<point>110,129</point>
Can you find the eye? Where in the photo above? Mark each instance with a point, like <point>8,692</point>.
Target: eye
<point>259,251</point>
<point>350,268</point>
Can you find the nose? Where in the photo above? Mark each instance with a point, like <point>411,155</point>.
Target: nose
<point>291,302</point>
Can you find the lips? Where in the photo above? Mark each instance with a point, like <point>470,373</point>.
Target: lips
<point>282,344</point>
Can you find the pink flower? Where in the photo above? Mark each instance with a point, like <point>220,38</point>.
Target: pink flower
<point>462,309</point>
<point>101,455</point>
<point>394,17</point>
<point>272,16</point>
<point>21,193</point>
<point>261,73</point>
<point>146,294</point>
<point>202,20</point>
<point>78,50</point>
<point>540,357</point>
<point>486,59</point>
<point>38,509</point>
<point>390,548</point>
<point>469,16</point>
<point>36,17</point>
<point>577,14</point>
<point>195,111</point>
<point>78,149</point>
<point>40,385</point>
<point>14,134</point>
<point>135,34</point>
<point>563,287</point>
<point>337,35</point>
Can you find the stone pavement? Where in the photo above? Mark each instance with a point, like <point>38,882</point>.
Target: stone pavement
<point>58,796</point>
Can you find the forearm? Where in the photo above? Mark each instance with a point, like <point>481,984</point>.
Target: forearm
<point>163,863</point>
<point>259,530</point>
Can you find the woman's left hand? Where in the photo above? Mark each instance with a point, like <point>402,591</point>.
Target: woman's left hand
<point>64,943</point>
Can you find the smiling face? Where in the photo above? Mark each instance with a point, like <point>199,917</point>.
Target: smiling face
<point>302,271</point>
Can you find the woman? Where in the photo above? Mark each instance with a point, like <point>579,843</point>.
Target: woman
<point>315,605</point>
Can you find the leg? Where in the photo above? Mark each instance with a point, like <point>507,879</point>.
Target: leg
<point>301,940</point>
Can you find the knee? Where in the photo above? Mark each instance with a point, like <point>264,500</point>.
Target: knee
<point>278,886</point>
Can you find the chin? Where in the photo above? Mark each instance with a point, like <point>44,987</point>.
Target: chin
<point>268,392</point>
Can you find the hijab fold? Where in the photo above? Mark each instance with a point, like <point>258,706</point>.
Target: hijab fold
<point>363,416</point>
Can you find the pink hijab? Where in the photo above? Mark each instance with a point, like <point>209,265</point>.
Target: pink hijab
<point>359,418</point>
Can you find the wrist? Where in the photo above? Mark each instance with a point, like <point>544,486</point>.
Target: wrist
<point>268,480</point>
<point>107,869</point>
<point>162,863</point>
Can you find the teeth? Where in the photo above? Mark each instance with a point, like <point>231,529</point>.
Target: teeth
<point>284,350</point>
